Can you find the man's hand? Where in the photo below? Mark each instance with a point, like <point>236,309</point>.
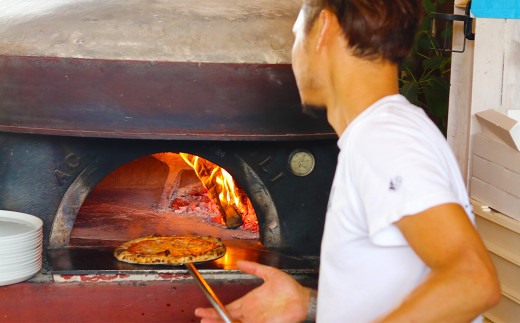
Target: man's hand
<point>279,299</point>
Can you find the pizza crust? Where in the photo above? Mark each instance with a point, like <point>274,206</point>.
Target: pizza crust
<point>170,250</point>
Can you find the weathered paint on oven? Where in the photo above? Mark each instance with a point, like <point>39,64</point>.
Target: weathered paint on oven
<point>158,301</point>
<point>217,275</point>
<point>153,100</point>
<point>133,301</point>
<point>107,278</point>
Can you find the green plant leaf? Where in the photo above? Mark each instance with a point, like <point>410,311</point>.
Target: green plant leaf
<point>407,64</point>
<point>410,91</point>
<point>426,71</point>
<point>428,6</point>
<point>445,64</point>
<point>433,63</point>
<point>426,24</point>
<point>441,83</point>
<point>437,95</point>
<point>422,43</point>
<point>434,43</point>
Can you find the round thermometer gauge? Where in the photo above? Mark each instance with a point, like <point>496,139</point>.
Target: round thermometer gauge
<point>301,162</point>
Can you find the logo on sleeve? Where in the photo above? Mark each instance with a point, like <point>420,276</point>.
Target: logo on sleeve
<point>395,183</point>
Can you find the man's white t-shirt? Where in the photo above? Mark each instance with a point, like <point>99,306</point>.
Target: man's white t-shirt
<point>393,162</point>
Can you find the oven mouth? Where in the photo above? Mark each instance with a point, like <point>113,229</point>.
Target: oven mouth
<point>87,182</point>
<point>98,213</point>
<point>165,194</point>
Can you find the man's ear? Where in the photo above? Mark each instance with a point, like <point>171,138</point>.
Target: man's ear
<point>328,24</point>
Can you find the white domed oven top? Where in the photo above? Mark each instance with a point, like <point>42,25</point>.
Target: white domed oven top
<point>220,31</point>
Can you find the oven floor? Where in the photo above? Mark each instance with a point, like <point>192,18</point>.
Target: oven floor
<point>92,260</point>
<point>110,216</point>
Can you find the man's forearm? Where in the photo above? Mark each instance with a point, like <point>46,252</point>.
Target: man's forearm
<point>462,282</point>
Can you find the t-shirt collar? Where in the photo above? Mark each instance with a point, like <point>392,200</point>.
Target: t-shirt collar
<point>367,111</point>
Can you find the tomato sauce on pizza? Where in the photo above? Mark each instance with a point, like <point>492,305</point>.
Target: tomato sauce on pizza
<point>175,250</point>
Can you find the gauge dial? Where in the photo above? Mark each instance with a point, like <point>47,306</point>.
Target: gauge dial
<point>301,162</point>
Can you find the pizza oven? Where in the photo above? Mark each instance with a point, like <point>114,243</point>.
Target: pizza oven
<point>59,155</point>
<point>102,147</point>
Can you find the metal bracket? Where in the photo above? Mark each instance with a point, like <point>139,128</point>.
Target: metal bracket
<point>468,26</point>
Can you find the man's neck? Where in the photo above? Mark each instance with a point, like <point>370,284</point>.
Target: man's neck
<point>356,86</point>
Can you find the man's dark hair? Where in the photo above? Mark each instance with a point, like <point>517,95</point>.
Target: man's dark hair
<point>374,29</point>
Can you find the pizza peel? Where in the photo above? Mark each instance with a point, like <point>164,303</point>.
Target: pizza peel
<point>204,286</point>
<point>212,297</point>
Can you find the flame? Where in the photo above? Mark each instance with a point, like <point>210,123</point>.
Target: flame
<point>231,197</point>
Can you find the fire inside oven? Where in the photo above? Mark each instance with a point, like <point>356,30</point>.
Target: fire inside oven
<point>166,194</point>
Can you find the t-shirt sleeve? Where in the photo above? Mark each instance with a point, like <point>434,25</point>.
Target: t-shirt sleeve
<point>397,172</point>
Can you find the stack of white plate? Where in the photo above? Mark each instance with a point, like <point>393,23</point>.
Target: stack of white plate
<point>20,246</point>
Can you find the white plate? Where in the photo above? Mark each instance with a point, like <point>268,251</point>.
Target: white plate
<point>21,237</point>
<point>22,262</point>
<point>20,274</point>
<point>19,278</point>
<point>9,259</point>
<point>26,258</point>
<point>34,236</point>
<point>15,268</point>
<point>10,281</point>
<point>20,254</point>
<point>28,269</point>
<point>25,237</point>
<point>21,267</point>
<point>14,224</point>
<point>20,247</point>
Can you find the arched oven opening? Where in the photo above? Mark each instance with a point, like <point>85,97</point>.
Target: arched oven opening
<point>166,194</point>
<point>147,194</point>
<point>121,197</point>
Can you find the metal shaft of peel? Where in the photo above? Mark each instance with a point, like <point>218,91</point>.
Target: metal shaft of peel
<point>212,297</point>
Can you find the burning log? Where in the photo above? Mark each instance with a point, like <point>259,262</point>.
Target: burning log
<point>231,217</point>
<point>221,189</point>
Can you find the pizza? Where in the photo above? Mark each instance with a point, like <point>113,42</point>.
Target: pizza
<point>170,250</point>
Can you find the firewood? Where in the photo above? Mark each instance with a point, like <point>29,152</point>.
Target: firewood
<point>231,217</point>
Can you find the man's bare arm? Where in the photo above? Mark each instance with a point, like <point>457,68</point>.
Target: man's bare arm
<point>462,282</point>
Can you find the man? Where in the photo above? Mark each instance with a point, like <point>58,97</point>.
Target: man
<point>399,244</point>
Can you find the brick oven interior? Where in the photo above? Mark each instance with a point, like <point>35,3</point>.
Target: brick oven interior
<point>157,194</point>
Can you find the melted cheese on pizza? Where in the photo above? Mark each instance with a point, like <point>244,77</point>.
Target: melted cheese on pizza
<point>174,246</point>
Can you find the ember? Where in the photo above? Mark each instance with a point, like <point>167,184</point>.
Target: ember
<point>224,200</point>
<point>198,203</point>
